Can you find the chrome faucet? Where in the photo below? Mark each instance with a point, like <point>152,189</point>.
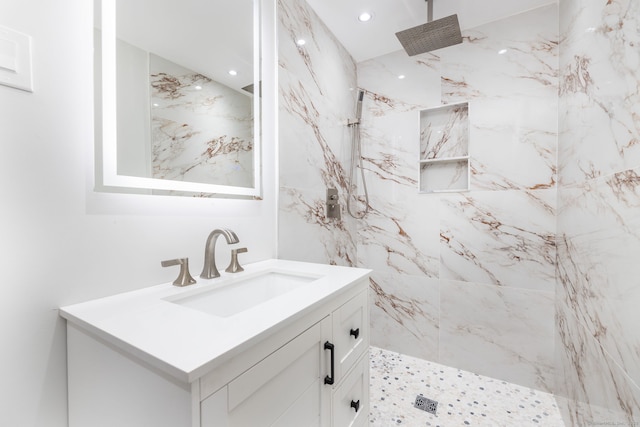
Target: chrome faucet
<point>209,270</point>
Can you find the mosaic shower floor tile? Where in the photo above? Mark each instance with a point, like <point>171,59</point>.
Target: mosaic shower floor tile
<point>464,398</point>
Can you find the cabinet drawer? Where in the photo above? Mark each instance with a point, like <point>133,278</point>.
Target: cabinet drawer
<point>351,398</point>
<point>350,333</point>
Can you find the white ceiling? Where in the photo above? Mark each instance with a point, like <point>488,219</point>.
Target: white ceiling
<point>377,37</point>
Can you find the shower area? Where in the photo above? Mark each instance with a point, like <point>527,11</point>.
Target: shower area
<point>464,279</point>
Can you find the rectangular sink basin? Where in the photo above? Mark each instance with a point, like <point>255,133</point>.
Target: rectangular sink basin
<point>239,296</point>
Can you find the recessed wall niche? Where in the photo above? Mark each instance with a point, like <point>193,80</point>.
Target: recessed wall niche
<point>444,148</point>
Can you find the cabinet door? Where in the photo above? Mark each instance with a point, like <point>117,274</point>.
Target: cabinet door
<point>287,387</point>
<point>350,333</point>
<point>351,398</point>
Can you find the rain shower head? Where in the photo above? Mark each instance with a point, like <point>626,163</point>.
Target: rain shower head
<point>433,35</point>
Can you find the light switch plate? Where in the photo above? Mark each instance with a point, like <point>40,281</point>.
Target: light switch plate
<point>15,59</point>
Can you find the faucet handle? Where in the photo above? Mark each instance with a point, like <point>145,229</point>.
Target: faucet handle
<point>184,277</point>
<point>234,265</point>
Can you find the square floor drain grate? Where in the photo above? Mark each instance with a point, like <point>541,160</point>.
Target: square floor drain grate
<point>426,404</point>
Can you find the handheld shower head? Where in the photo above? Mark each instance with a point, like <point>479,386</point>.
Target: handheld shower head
<point>356,161</point>
<point>359,105</point>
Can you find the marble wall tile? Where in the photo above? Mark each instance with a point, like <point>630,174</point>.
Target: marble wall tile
<point>501,332</point>
<point>597,266</point>
<point>405,313</point>
<point>390,149</point>
<point>317,83</point>
<point>444,132</point>
<point>306,234</point>
<point>310,144</point>
<point>600,89</point>
<point>400,234</point>
<point>447,176</point>
<point>598,346</point>
<point>317,96</point>
<point>313,134</point>
<point>508,70</point>
<point>323,66</point>
<point>508,58</point>
<point>592,389</point>
<point>513,143</point>
<point>503,238</point>
<point>578,414</point>
<point>400,237</point>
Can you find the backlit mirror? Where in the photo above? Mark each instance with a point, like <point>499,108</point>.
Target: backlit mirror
<point>178,96</point>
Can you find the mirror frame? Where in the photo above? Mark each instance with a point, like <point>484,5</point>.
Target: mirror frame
<point>109,167</point>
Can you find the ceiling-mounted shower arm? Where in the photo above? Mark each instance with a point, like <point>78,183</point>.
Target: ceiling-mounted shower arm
<point>429,10</point>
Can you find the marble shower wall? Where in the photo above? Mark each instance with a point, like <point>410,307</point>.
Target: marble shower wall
<point>598,295</point>
<point>463,279</point>
<point>317,95</point>
<point>467,279</point>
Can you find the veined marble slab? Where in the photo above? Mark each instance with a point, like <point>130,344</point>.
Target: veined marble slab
<point>502,332</point>
<point>503,238</point>
<point>597,263</point>
<point>405,313</point>
<point>600,88</point>
<point>598,240</point>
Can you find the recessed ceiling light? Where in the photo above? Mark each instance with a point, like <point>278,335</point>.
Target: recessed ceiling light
<point>502,51</point>
<point>401,76</point>
<point>365,16</point>
<point>301,42</point>
<point>233,72</point>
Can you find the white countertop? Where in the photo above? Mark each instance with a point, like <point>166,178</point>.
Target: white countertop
<point>187,343</point>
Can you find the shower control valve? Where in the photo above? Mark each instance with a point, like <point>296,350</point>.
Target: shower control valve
<point>333,206</point>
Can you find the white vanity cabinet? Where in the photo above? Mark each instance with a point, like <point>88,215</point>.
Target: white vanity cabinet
<point>285,389</point>
<point>285,377</point>
<point>295,385</point>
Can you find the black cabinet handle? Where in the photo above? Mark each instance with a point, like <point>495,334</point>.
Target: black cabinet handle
<point>329,378</point>
<point>355,404</point>
<point>355,333</point>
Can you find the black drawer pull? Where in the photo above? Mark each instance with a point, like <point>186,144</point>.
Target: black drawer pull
<point>355,333</point>
<point>329,378</point>
<point>355,405</point>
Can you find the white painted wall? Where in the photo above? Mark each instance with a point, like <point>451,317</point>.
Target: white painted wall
<point>61,243</point>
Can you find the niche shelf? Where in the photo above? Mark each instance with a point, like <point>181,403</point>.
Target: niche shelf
<point>444,149</point>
